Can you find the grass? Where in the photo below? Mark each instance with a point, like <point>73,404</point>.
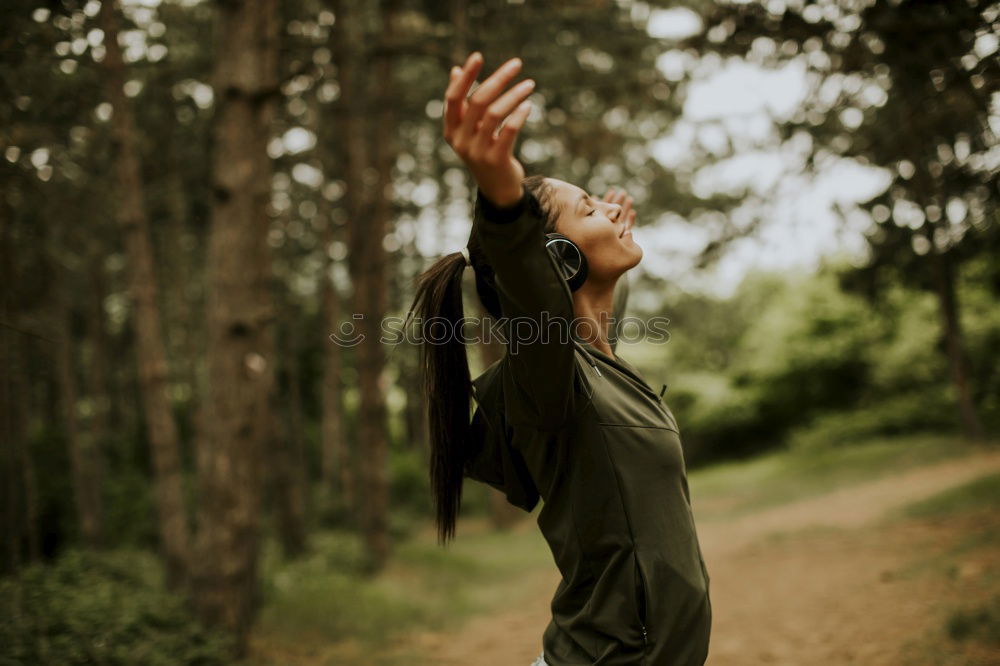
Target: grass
<point>976,505</point>
<point>980,493</point>
<point>731,489</point>
<point>325,598</point>
<point>970,629</point>
<point>976,502</point>
<point>968,636</point>
<point>981,622</point>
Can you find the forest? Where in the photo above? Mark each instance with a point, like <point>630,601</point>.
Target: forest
<point>197,195</point>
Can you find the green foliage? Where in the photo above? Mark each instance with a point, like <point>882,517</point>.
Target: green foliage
<point>326,593</point>
<point>810,365</point>
<point>806,324</point>
<point>129,513</point>
<point>409,491</point>
<point>409,482</point>
<point>806,351</point>
<point>979,288</point>
<point>55,494</point>
<point>100,608</point>
<point>475,498</point>
<point>897,413</point>
<point>908,356</point>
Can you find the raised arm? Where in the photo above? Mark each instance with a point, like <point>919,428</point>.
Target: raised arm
<point>538,308</point>
<point>534,298</point>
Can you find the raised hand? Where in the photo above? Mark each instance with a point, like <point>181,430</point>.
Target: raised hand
<point>623,199</point>
<point>471,125</point>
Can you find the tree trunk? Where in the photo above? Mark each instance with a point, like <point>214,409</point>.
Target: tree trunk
<point>18,518</point>
<point>942,265</point>
<point>460,27</point>
<point>172,524</point>
<point>289,478</point>
<point>944,276</point>
<point>240,319</point>
<point>182,260</point>
<point>375,291</point>
<point>338,487</point>
<point>10,503</point>
<point>417,434</point>
<point>20,383</point>
<point>100,387</point>
<point>366,261</point>
<point>20,494</point>
<point>84,459</point>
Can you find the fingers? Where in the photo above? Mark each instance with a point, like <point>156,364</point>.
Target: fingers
<point>615,195</point>
<point>629,213</point>
<point>460,80</point>
<point>620,197</point>
<point>508,133</point>
<point>452,115</point>
<point>485,95</point>
<point>498,111</point>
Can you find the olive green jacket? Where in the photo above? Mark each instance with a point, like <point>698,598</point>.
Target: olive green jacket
<point>558,420</point>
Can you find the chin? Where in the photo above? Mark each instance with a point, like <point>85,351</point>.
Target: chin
<point>638,255</point>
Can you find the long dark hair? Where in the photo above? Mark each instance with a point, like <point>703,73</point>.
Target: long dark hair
<point>445,366</point>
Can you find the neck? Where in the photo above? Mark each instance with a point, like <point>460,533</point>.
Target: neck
<point>593,306</point>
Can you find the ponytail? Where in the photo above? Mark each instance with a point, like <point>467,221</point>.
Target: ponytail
<point>446,381</point>
<point>445,366</point>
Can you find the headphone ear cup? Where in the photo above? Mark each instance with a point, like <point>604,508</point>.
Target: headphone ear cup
<point>570,259</point>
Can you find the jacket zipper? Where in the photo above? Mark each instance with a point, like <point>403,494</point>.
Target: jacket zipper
<point>643,386</point>
<point>590,358</point>
<point>638,567</point>
<point>644,602</point>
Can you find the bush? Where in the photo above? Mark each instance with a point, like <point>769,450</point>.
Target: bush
<point>928,410</point>
<point>409,480</point>
<point>100,608</point>
<point>129,513</point>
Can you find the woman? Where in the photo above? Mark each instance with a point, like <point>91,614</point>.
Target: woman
<point>561,416</point>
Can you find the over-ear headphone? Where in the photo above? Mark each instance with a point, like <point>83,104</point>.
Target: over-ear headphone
<point>570,259</point>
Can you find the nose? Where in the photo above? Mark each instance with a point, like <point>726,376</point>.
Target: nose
<point>616,210</point>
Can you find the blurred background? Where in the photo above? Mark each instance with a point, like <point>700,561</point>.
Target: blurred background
<point>195,195</point>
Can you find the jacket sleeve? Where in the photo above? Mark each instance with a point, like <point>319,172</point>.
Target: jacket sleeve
<point>537,307</point>
<point>495,462</point>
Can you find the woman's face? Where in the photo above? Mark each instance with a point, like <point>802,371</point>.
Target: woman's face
<point>598,228</point>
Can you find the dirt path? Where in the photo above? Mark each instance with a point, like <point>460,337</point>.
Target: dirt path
<point>794,584</point>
